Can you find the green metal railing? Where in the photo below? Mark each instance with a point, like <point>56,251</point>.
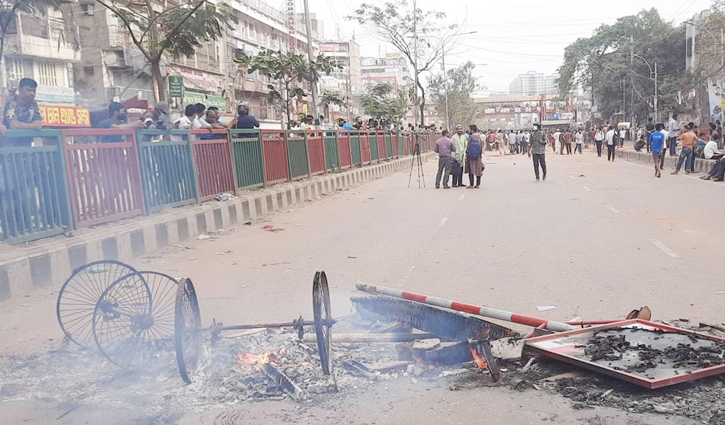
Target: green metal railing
<point>355,147</point>
<point>167,168</point>
<point>374,154</point>
<point>247,157</point>
<point>389,144</point>
<point>332,158</point>
<point>34,201</point>
<point>299,161</point>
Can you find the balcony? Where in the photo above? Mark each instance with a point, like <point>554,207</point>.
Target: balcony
<point>46,38</point>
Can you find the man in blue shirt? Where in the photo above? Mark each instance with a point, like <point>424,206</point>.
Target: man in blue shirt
<point>657,139</point>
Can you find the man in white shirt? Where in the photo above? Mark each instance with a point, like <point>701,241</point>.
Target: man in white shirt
<point>610,144</point>
<point>673,129</point>
<point>711,151</point>
<point>185,122</point>
<point>200,121</point>
<point>599,137</point>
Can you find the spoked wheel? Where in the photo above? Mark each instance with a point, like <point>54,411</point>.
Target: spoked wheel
<point>323,319</point>
<point>133,321</point>
<point>187,329</point>
<point>79,294</point>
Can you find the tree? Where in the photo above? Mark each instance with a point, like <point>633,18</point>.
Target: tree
<point>382,105</point>
<point>619,80</point>
<point>157,28</point>
<point>330,98</point>
<point>289,70</point>
<point>396,24</point>
<point>461,85</point>
<point>9,10</point>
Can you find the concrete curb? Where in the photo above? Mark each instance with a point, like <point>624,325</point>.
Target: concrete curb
<point>50,262</point>
<point>701,165</point>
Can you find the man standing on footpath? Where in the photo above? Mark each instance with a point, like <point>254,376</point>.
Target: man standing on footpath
<point>459,143</point>
<point>673,129</point>
<point>611,144</point>
<point>538,150</point>
<point>657,142</point>
<point>444,147</point>
<point>689,141</point>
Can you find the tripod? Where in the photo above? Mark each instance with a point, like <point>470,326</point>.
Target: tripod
<point>419,161</point>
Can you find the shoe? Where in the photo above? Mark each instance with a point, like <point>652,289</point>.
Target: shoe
<point>469,187</point>
<point>537,180</point>
<point>687,173</point>
<point>708,177</point>
<point>659,174</point>
<point>544,177</point>
<point>478,186</point>
<point>717,180</point>
<point>438,187</point>
<point>674,173</point>
<point>446,187</point>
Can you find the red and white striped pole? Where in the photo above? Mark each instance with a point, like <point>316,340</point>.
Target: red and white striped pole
<point>468,308</point>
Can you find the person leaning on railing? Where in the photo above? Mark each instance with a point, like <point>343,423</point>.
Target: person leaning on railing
<point>21,113</point>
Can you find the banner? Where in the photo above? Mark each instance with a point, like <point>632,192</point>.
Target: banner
<point>65,116</point>
<point>207,99</point>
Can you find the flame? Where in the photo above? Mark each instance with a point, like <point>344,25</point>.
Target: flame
<point>417,359</point>
<point>260,359</point>
<point>480,361</point>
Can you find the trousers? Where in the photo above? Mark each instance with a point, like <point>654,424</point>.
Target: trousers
<point>611,152</point>
<point>444,170</point>
<point>567,145</point>
<point>685,157</point>
<point>599,147</point>
<point>672,143</point>
<point>578,147</point>
<point>539,160</point>
<point>457,172</point>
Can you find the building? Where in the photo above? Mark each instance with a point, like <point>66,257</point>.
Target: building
<point>392,69</point>
<point>513,112</point>
<point>348,81</point>
<point>692,31</point>
<point>43,46</point>
<point>534,83</point>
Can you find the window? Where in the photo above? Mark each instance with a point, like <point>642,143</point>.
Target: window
<point>47,74</point>
<point>88,9</point>
<point>14,67</point>
<point>89,71</point>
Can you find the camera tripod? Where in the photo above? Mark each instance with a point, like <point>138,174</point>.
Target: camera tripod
<point>417,160</point>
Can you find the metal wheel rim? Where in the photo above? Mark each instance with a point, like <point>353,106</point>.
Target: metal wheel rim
<point>155,299</point>
<point>75,321</point>
<point>323,319</point>
<point>187,322</point>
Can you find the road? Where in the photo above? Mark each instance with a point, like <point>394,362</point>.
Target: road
<point>596,240</point>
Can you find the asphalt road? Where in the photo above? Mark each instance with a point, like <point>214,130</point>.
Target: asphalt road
<point>596,240</point>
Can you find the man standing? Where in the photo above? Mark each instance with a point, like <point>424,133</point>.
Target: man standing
<point>200,121</point>
<point>538,150</point>
<point>611,144</point>
<point>444,147</point>
<point>657,142</point>
<point>567,141</point>
<point>650,128</point>
<point>22,113</point>
<point>689,140</point>
<point>598,139</point>
<point>673,129</point>
<point>525,136</point>
<point>579,141</point>
<point>459,143</point>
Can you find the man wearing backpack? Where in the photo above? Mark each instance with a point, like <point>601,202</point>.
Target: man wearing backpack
<point>598,139</point>
<point>474,163</point>
<point>538,150</point>
<point>444,147</point>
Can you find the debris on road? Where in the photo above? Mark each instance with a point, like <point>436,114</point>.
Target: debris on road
<point>546,307</point>
<point>203,237</point>
<point>352,256</point>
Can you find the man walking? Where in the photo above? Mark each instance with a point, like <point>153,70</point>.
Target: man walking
<point>673,129</point>
<point>689,140</point>
<point>598,139</point>
<point>538,151</point>
<point>525,136</point>
<point>459,143</point>
<point>657,141</point>
<point>650,128</point>
<point>444,147</point>
<point>611,144</point>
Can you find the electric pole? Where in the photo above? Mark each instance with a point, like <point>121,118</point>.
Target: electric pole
<point>415,64</point>
<point>313,85</point>
<point>631,82</point>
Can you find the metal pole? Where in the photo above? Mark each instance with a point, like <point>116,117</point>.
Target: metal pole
<point>631,83</point>
<point>313,84</point>
<point>468,308</point>
<point>415,65</point>
<point>656,103</point>
<point>722,58</point>
<point>445,79</point>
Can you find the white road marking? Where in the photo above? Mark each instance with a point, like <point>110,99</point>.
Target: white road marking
<point>664,248</point>
<point>463,196</point>
<point>443,221</point>
<point>571,177</point>
<point>611,208</point>
<point>587,189</point>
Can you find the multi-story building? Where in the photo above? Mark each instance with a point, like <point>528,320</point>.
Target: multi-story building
<point>534,83</point>
<point>43,46</point>
<point>347,81</point>
<point>393,69</point>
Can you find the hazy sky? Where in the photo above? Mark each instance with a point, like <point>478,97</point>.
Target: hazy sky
<point>512,36</point>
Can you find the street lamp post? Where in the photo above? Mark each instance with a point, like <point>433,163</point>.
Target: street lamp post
<point>651,73</point>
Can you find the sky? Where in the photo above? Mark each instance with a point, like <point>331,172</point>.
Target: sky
<point>512,37</point>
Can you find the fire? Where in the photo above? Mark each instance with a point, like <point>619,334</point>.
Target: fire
<point>480,361</point>
<point>260,359</point>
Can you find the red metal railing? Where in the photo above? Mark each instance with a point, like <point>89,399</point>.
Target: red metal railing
<point>365,148</point>
<point>382,153</point>
<point>344,151</point>
<point>213,162</point>
<point>274,143</point>
<point>103,175</point>
<point>316,151</point>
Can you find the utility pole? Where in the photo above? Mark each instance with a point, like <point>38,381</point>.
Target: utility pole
<point>313,87</point>
<point>415,64</point>
<point>445,80</point>
<point>656,103</point>
<point>631,81</point>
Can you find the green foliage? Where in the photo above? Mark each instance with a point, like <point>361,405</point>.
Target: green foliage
<point>381,104</point>
<point>330,98</point>
<point>288,70</point>
<point>461,86</point>
<point>603,64</point>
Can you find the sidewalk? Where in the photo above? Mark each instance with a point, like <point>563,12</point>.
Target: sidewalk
<point>50,261</point>
<point>701,165</point>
